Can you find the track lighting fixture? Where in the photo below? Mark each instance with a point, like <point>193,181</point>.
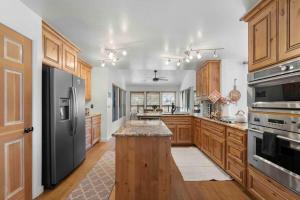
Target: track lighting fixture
<point>111,55</point>
<point>215,54</point>
<point>191,57</point>
<point>124,53</point>
<point>187,60</point>
<point>178,63</point>
<point>168,61</point>
<point>199,56</point>
<point>113,63</point>
<point>103,64</point>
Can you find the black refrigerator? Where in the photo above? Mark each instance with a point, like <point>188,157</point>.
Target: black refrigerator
<point>63,126</point>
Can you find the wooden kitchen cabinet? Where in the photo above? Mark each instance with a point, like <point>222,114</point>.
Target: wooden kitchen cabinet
<point>273,32</point>
<point>217,149</point>
<point>289,29</point>
<point>184,134</point>
<point>181,127</point>
<point>262,39</point>
<point>58,51</point>
<point>197,132</point>
<point>92,130</point>
<point>208,78</point>
<point>69,59</point>
<point>236,154</point>
<point>264,188</point>
<point>86,73</point>
<point>205,147</point>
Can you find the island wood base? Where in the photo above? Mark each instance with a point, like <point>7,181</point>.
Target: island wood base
<point>143,168</point>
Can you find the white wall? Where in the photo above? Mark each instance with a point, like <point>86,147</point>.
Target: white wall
<point>231,69</point>
<point>20,18</point>
<point>189,80</point>
<point>102,81</point>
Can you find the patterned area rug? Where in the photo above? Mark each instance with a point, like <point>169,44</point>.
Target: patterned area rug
<point>99,182</point>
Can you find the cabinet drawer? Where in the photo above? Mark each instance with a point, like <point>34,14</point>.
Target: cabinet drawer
<point>265,188</point>
<point>236,153</point>
<point>96,120</point>
<point>177,120</point>
<point>237,171</point>
<point>236,136</point>
<point>214,127</point>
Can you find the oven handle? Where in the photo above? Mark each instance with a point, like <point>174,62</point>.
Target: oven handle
<point>255,130</point>
<point>273,78</point>
<point>288,139</point>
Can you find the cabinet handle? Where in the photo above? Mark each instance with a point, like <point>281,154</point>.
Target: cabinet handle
<point>282,12</point>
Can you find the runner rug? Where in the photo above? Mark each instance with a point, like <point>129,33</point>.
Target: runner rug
<point>195,166</point>
<point>99,182</point>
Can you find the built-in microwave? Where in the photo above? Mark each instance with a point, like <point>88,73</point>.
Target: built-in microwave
<point>276,87</point>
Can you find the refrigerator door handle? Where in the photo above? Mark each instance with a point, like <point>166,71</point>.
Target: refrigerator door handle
<point>76,109</point>
<point>73,110</point>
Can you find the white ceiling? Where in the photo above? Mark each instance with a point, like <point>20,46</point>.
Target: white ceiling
<point>148,29</point>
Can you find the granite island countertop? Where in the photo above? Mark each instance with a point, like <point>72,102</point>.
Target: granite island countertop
<point>150,128</point>
<point>240,126</point>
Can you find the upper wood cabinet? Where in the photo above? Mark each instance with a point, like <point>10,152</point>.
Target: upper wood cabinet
<point>273,31</point>
<point>208,78</point>
<point>58,51</point>
<point>85,73</point>
<point>262,38</point>
<point>289,29</point>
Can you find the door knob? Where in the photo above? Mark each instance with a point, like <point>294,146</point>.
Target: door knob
<point>28,130</point>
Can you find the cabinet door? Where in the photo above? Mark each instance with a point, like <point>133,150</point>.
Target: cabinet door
<point>262,38</point>
<point>85,73</point>
<point>218,150</point>
<point>198,82</point>
<point>205,141</point>
<point>88,132</point>
<point>199,143</point>
<point>96,129</point>
<point>173,129</point>
<point>69,59</point>
<point>52,50</point>
<point>289,34</point>
<point>184,134</point>
<point>204,81</point>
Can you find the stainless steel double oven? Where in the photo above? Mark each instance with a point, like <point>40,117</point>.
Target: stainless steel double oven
<point>274,123</point>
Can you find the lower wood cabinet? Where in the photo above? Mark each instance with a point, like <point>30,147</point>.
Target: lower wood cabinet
<point>236,154</point>
<point>213,142</point>
<point>197,132</point>
<point>265,188</point>
<point>181,127</point>
<point>92,130</point>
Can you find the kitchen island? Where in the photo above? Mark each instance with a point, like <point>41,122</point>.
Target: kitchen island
<point>144,165</point>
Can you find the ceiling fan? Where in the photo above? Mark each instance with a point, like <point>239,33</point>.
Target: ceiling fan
<point>156,79</point>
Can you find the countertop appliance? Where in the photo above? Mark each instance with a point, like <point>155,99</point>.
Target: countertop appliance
<point>63,124</point>
<point>276,87</point>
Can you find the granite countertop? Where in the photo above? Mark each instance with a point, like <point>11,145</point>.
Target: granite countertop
<point>92,115</point>
<point>144,128</point>
<point>240,126</point>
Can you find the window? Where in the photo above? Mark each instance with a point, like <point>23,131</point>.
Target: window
<point>152,100</point>
<point>137,100</point>
<point>115,103</point>
<point>118,103</point>
<point>122,103</point>
<point>167,99</point>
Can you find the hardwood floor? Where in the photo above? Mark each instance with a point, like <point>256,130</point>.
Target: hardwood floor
<point>65,187</point>
<point>205,190</point>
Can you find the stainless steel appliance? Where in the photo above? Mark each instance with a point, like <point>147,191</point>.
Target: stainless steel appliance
<point>63,124</point>
<point>274,123</point>
<point>274,147</point>
<point>276,87</point>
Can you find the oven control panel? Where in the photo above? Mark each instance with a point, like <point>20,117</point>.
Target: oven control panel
<point>275,120</point>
